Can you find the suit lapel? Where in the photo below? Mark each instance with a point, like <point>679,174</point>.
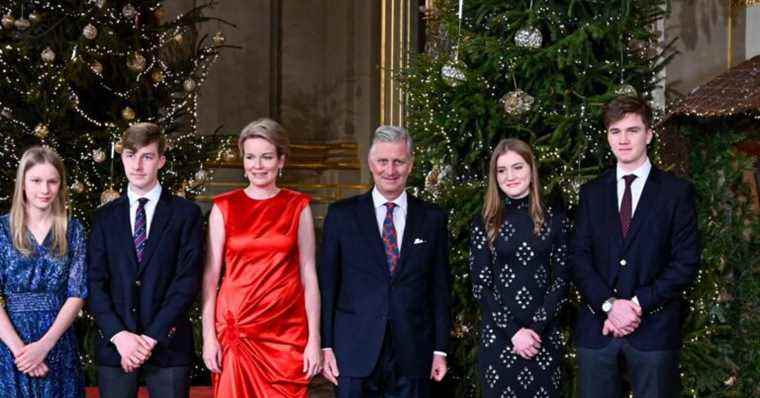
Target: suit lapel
<point>123,227</point>
<point>414,218</point>
<point>160,219</point>
<point>367,220</point>
<point>645,206</point>
<point>612,214</point>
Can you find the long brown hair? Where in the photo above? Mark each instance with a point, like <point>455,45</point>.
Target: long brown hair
<point>493,209</point>
<point>32,157</point>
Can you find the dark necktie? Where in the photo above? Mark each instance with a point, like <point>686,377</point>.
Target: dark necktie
<point>141,233</point>
<point>390,240</point>
<point>626,206</point>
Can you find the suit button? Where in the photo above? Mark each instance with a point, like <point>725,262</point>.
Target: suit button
<point>138,283</point>
<point>623,262</point>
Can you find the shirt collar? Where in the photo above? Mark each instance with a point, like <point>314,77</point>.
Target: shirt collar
<point>641,173</point>
<point>153,195</point>
<point>379,200</point>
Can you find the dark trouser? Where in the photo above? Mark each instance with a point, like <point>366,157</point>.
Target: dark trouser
<point>384,381</point>
<point>652,374</point>
<point>173,382</point>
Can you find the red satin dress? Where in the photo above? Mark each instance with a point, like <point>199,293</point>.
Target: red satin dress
<point>260,311</point>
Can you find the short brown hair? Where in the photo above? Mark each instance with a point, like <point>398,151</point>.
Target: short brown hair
<point>140,135</point>
<point>268,130</point>
<point>616,110</point>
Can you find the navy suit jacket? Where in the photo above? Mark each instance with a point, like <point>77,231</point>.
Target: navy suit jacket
<point>656,261</point>
<point>154,296</point>
<point>360,298</point>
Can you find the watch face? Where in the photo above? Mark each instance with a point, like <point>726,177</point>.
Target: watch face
<point>607,306</point>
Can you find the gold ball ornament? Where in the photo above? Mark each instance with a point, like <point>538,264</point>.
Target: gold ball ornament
<point>108,195</point>
<point>136,62</point>
<point>48,55</point>
<point>517,102</point>
<point>528,37</point>
<point>218,38</point>
<point>129,11</point>
<point>128,113</point>
<point>157,76</point>
<point>98,155</point>
<point>179,38</point>
<point>35,18</point>
<point>118,147</point>
<point>77,187</point>
<point>189,85</point>
<point>41,131</point>
<point>96,67</point>
<point>7,21</point>
<point>452,73</point>
<point>90,32</point>
<point>22,24</point>
<point>626,90</point>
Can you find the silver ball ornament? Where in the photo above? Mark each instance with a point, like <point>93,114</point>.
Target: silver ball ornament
<point>452,74</point>
<point>517,102</point>
<point>528,37</point>
<point>48,55</point>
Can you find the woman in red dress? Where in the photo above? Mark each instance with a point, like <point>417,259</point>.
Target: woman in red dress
<point>261,327</point>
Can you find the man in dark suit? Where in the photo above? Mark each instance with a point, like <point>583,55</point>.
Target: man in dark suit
<point>144,273</point>
<point>634,253</point>
<point>385,283</point>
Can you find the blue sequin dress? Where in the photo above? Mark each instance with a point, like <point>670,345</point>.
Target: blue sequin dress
<point>35,288</point>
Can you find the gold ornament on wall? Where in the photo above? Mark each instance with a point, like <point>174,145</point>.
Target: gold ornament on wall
<point>128,113</point>
<point>218,38</point>
<point>41,131</point>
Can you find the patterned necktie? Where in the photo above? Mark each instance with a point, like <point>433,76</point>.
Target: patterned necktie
<point>626,206</point>
<point>389,239</point>
<point>140,235</point>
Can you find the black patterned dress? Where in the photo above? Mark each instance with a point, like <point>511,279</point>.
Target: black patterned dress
<point>521,282</point>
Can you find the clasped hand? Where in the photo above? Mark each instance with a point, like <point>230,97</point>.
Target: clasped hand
<point>526,343</point>
<point>31,359</point>
<point>134,349</point>
<point>623,318</point>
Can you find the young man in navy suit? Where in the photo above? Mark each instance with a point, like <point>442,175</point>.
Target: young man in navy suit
<point>385,283</point>
<point>144,273</point>
<point>635,251</point>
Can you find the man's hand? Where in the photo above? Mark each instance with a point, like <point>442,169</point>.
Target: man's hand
<point>32,355</point>
<point>438,372</point>
<point>625,315</point>
<point>610,328</point>
<point>330,366</point>
<point>526,343</point>
<point>134,350</point>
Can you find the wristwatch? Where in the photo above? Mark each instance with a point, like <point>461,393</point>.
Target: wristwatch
<point>607,305</point>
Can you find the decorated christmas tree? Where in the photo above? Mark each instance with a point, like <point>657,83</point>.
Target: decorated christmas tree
<point>537,70</point>
<point>76,73</point>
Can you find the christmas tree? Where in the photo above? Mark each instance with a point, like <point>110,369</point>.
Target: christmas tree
<point>76,73</point>
<point>536,70</point>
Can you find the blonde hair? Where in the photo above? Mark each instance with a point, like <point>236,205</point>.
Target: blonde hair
<point>493,209</point>
<point>32,157</point>
<point>268,130</point>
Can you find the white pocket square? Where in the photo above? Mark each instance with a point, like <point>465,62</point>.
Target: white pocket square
<point>418,241</point>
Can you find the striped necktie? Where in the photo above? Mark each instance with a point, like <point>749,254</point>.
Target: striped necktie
<point>140,236</point>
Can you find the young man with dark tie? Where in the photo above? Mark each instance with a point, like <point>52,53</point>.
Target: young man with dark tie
<point>634,253</point>
<point>144,273</point>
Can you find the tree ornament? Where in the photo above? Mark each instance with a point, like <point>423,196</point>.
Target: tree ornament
<point>22,24</point>
<point>90,32</point>
<point>626,90</point>
<point>517,102</point>
<point>129,11</point>
<point>528,37</point>
<point>201,175</point>
<point>35,18</point>
<point>218,38</point>
<point>436,176</point>
<point>229,155</point>
<point>452,73</point>
<point>179,38</point>
<point>118,147</point>
<point>136,63</point>
<point>128,114</point>
<point>108,195</point>
<point>41,131</point>
<point>100,3</point>
<point>96,67</point>
<point>7,21</point>
<point>77,187</point>
<point>48,55</point>
<point>157,76</point>
<point>189,85</point>
<point>98,155</point>
<point>6,113</point>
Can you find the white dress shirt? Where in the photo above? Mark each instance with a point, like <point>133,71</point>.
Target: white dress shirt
<point>150,208</point>
<point>637,186</point>
<point>399,213</point>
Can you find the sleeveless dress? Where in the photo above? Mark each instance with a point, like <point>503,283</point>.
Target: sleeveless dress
<point>34,288</point>
<point>260,311</point>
